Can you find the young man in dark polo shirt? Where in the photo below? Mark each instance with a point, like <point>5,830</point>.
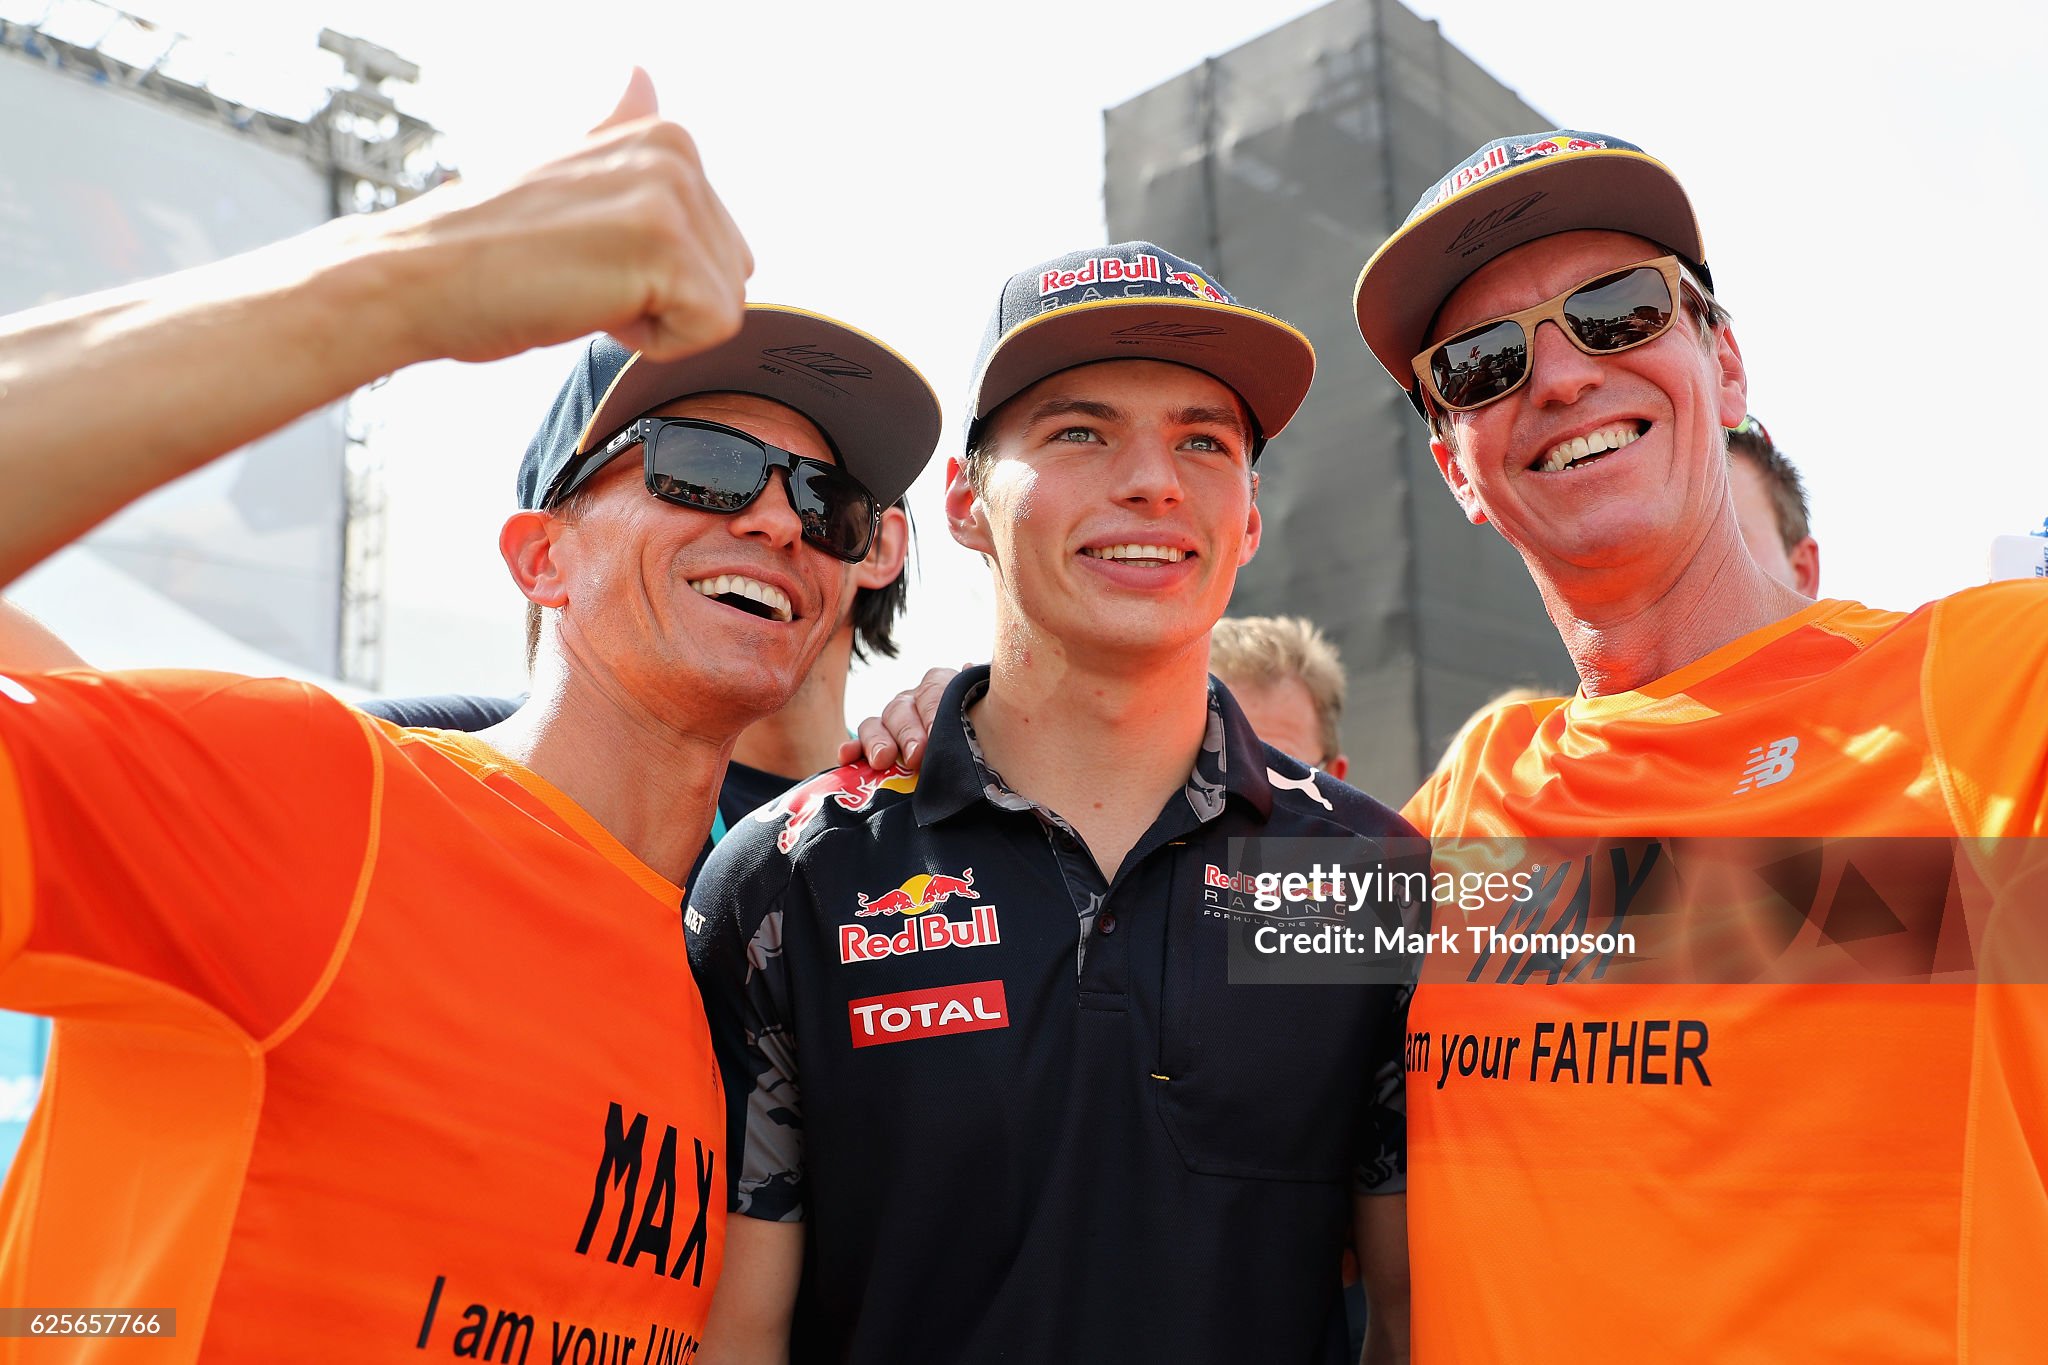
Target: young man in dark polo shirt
<point>994,1093</point>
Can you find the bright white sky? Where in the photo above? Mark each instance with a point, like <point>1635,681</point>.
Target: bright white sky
<point>1871,188</point>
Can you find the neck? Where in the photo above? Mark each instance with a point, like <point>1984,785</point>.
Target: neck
<point>1066,730</point>
<point>651,781</point>
<point>1621,640</point>
<point>804,736</point>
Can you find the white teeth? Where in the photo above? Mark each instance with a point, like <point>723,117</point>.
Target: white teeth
<point>766,594</point>
<point>1167,553</point>
<point>1595,443</point>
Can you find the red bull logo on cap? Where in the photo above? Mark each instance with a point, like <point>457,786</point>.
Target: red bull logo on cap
<point>1198,286</point>
<point>1496,159</point>
<point>853,787</point>
<point>920,935</point>
<point>1551,146</point>
<point>1100,270</point>
<point>1500,158</point>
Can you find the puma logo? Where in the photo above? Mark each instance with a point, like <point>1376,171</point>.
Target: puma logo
<point>1305,785</point>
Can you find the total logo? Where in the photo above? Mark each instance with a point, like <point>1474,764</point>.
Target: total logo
<point>921,932</point>
<point>1198,286</point>
<point>930,1013</point>
<point>854,787</point>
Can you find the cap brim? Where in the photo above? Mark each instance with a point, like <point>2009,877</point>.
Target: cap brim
<point>1267,362</point>
<point>871,403</point>
<point>1427,258</point>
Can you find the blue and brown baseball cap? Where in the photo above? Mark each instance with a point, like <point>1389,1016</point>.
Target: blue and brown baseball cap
<point>1509,192</point>
<point>879,413</point>
<point>1137,301</point>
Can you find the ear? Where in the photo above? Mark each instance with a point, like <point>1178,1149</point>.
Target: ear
<point>1805,559</point>
<point>965,516</point>
<point>527,542</point>
<point>1254,526</point>
<point>1733,390</point>
<point>1450,465</point>
<point>884,564</point>
<point>1338,767</point>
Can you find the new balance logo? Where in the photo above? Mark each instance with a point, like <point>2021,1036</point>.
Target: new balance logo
<point>1768,764</point>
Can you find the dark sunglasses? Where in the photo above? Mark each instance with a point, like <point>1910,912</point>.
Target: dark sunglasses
<point>1615,312</point>
<point>716,468</point>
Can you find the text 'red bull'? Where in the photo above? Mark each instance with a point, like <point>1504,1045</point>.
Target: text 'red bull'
<point>1100,270</point>
<point>927,933</point>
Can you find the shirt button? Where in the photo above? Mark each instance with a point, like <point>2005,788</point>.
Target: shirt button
<point>1106,923</point>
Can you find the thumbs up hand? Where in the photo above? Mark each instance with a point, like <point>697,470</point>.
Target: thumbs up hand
<point>624,234</point>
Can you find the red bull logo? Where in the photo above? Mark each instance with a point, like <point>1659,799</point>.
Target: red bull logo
<point>1496,158</point>
<point>1198,286</point>
<point>967,1008</point>
<point>919,894</point>
<point>926,935</point>
<point>930,933</point>
<point>1500,158</point>
<point>1551,146</point>
<point>852,787</point>
<point>1100,270</point>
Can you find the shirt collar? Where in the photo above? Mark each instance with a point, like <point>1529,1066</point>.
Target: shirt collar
<point>1231,762</point>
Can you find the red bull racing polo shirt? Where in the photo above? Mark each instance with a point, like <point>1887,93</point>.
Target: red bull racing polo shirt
<point>1021,1109</point>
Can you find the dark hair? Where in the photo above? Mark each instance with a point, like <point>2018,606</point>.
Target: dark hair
<point>875,610</point>
<point>975,459</point>
<point>1781,479</point>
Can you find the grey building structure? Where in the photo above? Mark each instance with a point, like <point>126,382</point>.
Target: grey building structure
<point>1282,165</point>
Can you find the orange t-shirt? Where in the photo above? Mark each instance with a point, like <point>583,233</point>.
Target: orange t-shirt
<point>1843,1171</point>
<point>369,1043</point>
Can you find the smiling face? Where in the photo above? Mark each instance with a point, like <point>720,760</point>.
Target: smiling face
<point>1116,505</point>
<point>1597,464</point>
<point>696,607</point>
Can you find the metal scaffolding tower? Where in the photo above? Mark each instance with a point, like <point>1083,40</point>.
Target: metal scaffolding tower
<point>373,154</point>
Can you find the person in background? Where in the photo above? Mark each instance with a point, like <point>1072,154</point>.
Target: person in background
<point>1771,509</point>
<point>1288,680</point>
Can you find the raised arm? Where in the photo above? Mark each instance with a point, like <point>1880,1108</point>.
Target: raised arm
<point>107,397</point>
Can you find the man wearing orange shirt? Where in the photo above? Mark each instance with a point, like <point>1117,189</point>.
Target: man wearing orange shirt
<point>373,1043</point>
<point>1667,1157</point>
